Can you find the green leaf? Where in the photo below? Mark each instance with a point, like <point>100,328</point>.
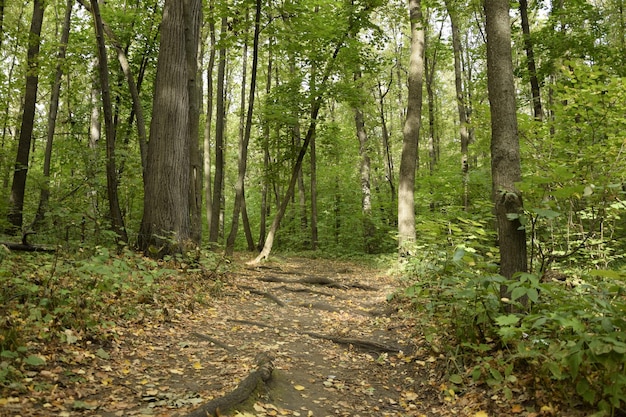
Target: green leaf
<point>533,295</point>
<point>8,354</point>
<point>507,320</point>
<point>547,213</point>
<point>101,353</point>
<point>518,292</point>
<point>456,379</point>
<point>34,360</point>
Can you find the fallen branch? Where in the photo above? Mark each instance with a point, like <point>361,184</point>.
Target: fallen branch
<point>244,390</point>
<point>27,247</point>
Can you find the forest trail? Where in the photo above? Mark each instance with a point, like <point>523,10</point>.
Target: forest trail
<point>337,349</point>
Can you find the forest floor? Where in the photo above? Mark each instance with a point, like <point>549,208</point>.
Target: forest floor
<point>336,347</point>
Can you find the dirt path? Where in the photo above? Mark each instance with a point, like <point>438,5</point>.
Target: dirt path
<point>338,349</point>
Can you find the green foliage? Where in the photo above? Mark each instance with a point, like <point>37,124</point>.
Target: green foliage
<point>70,299</point>
<point>569,334</point>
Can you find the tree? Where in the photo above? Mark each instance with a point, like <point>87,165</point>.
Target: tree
<point>243,146</point>
<point>18,187</point>
<point>165,226</point>
<point>410,157</point>
<point>530,61</point>
<point>115,213</point>
<point>505,150</point>
<point>52,116</point>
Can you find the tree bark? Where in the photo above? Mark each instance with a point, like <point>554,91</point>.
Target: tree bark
<point>505,152</point>
<point>410,158</point>
<point>245,139</point>
<point>165,227</point>
<point>55,93</point>
<point>18,187</point>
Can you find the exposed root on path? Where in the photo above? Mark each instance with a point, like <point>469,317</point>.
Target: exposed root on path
<point>366,345</point>
<point>214,341</point>
<point>244,390</point>
<point>316,280</point>
<point>263,293</point>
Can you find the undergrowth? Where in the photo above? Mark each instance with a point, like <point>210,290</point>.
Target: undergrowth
<point>569,342</point>
<point>85,297</point>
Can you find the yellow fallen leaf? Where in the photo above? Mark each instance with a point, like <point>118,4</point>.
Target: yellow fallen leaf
<point>197,365</point>
<point>299,387</point>
<point>516,409</point>
<point>481,414</point>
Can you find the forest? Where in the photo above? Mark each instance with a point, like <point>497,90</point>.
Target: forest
<point>162,159</point>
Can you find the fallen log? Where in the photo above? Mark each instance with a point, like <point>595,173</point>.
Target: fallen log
<point>244,390</point>
<point>27,247</point>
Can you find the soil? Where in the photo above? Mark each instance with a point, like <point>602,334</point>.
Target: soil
<point>338,349</point>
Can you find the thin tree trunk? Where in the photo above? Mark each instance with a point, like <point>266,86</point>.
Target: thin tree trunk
<point>245,139</point>
<point>193,19</point>
<point>505,152</point>
<point>208,195</point>
<point>18,188</point>
<point>115,213</point>
<point>315,108</point>
<point>460,102</point>
<point>410,156</point>
<point>313,162</point>
<point>365,172</point>
<point>389,169</point>
<point>219,139</point>
<point>132,86</point>
<point>55,93</point>
<point>530,57</point>
<point>266,157</point>
<point>1,22</point>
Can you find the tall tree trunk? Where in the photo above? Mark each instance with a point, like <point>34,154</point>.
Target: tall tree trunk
<point>218,181</point>
<point>245,139</point>
<point>55,93</point>
<point>410,157</point>
<point>389,170</point>
<point>193,19</point>
<point>365,171</point>
<point>208,195</point>
<point>313,162</point>
<point>165,227</point>
<point>460,101</point>
<point>115,213</point>
<point>1,22</point>
<point>266,157</point>
<point>505,152</point>
<point>18,188</point>
<point>530,58</point>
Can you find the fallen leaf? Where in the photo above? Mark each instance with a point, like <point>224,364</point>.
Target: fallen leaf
<point>299,387</point>
<point>481,414</point>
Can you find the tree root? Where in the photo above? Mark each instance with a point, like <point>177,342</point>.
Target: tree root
<point>316,280</point>
<point>214,341</point>
<point>244,390</point>
<point>264,294</point>
<point>362,344</point>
